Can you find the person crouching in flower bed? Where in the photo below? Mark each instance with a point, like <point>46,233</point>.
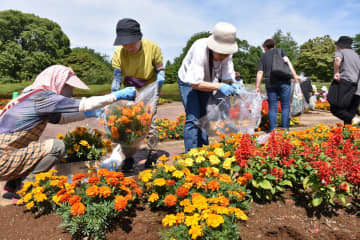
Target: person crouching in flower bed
<point>22,121</point>
<point>140,62</point>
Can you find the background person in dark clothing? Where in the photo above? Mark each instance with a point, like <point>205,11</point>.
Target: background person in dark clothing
<point>347,68</point>
<point>275,88</point>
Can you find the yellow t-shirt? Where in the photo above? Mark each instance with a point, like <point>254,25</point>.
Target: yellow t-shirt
<point>141,64</point>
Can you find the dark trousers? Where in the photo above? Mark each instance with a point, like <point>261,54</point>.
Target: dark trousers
<point>346,114</point>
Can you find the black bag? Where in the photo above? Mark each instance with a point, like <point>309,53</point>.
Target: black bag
<point>280,70</point>
<point>341,93</point>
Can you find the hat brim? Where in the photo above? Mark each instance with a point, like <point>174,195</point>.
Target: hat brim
<point>122,40</point>
<point>223,48</point>
<point>75,82</point>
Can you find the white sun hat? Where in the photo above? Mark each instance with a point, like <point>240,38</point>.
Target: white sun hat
<point>223,39</point>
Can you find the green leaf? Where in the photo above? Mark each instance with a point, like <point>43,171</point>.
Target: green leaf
<point>265,184</point>
<point>270,177</point>
<point>286,183</point>
<point>305,182</point>
<point>237,168</point>
<point>255,183</point>
<point>316,201</point>
<point>342,198</point>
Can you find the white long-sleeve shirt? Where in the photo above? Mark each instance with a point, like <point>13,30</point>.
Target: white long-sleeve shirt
<point>195,66</point>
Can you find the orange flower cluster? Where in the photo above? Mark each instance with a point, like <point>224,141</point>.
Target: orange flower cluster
<point>127,124</point>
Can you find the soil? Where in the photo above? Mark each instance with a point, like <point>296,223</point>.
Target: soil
<point>285,220</point>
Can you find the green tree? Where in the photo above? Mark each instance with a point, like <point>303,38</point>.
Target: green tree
<point>316,59</point>
<point>356,43</point>
<point>287,43</point>
<point>28,44</point>
<point>89,66</point>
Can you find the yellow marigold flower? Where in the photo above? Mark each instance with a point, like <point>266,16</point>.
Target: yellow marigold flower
<point>169,220</point>
<point>40,177</point>
<point>219,152</point>
<point>195,231</point>
<point>53,183</point>
<point>60,136</point>
<point>159,182</point>
<point>27,197</point>
<point>214,170</point>
<point>193,152</point>
<point>146,175</point>
<point>214,160</point>
<point>180,218</point>
<point>181,162</point>
<point>153,197</point>
<point>178,174</point>
<point>238,213</point>
<point>227,164</point>
<point>40,197</point>
<point>76,147</point>
<point>30,205</point>
<point>84,143</point>
<point>169,168</point>
<point>189,162</point>
<point>192,220</point>
<point>56,199</point>
<point>214,220</point>
<point>189,209</point>
<point>199,159</point>
<point>220,210</point>
<point>163,158</point>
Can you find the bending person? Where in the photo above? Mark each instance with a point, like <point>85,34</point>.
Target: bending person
<point>207,67</point>
<point>22,121</point>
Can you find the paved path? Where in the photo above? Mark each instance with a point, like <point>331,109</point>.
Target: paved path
<point>170,111</point>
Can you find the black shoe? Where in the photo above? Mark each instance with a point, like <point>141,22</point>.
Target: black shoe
<point>151,160</point>
<point>11,195</point>
<point>128,165</point>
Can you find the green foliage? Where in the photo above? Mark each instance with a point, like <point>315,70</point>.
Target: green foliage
<point>356,43</point>
<point>316,59</point>
<point>287,43</point>
<point>89,66</point>
<point>28,44</point>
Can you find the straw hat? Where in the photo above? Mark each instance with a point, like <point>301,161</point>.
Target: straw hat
<point>223,39</point>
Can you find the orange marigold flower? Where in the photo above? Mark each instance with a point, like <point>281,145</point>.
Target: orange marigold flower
<point>138,191</point>
<point>74,199</point>
<point>170,182</point>
<point>93,180</point>
<point>104,191</point>
<point>120,203</point>
<point>92,191</point>
<point>182,192</point>
<point>213,185</point>
<point>248,176</point>
<point>114,132</point>
<point>79,177</point>
<point>170,200</point>
<point>77,209</point>
<point>242,180</point>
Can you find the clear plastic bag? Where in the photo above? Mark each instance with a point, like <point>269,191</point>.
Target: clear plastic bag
<point>239,113</point>
<point>128,122</point>
<point>297,106</point>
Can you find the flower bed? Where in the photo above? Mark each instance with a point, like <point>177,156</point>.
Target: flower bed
<point>206,190</point>
<point>171,129</point>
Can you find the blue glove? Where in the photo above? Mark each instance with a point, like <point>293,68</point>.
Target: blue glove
<point>94,113</point>
<point>116,84</point>
<point>236,86</point>
<point>226,89</point>
<point>128,93</point>
<point>160,78</point>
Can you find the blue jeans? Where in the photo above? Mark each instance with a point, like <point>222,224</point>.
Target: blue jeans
<point>282,91</point>
<point>195,103</point>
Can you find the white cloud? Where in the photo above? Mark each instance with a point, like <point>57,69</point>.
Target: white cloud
<point>170,23</point>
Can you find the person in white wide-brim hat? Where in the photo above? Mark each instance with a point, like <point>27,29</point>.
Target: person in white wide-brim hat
<point>207,67</point>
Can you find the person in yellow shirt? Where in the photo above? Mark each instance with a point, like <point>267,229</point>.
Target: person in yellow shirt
<point>137,62</point>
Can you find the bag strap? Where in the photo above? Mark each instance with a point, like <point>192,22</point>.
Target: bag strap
<point>211,63</point>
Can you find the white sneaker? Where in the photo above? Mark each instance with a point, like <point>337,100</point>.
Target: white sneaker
<point>356,121</point>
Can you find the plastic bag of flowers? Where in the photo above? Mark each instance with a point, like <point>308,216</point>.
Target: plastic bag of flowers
<point>128,122</point>
<point>238,113</point>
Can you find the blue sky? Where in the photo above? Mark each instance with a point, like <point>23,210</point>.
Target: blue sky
<point>170,23</point>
